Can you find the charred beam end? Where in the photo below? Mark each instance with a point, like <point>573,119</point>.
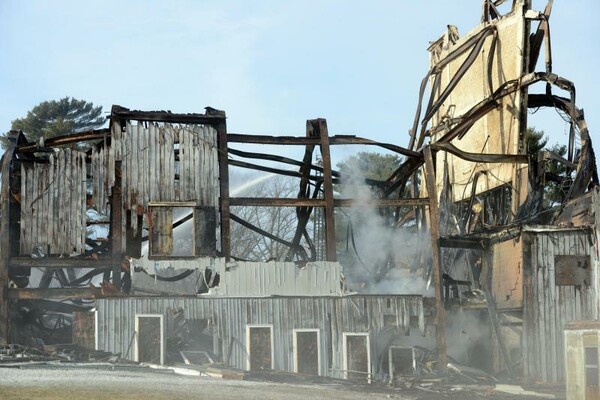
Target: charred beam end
<point>308,202</point>
<point>54,293</point>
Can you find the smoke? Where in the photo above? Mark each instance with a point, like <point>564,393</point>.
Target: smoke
<point>468,337</point>
<point>388,260</point>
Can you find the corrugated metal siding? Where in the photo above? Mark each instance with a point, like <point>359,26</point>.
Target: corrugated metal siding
<point>321,278</point>
<point>230,316</point>
<point>278,278</point>
<point>547,307</point>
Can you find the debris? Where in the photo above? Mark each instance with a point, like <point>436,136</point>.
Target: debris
<point>518,390</point>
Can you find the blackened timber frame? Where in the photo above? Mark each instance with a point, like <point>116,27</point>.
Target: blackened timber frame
<point>224,204</point>
<point>310,202</point>
<point>4,245</point>
<point>316,135</point>
<point>330,249</point>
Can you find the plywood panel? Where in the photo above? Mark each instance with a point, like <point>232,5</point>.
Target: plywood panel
<point>498,131</point>
<point>507,274</point>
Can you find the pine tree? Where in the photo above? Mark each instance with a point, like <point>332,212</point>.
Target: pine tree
<point>56,118</point>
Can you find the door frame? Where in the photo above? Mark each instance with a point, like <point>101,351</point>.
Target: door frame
<point>345,352</point>
<point>162,335</point>
<point>295,348</point>
<point>248,349</point>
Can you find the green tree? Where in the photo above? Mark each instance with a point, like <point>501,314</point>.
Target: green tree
<point>56,118</point>
<point>535,140</point>
<point>557,178</point>
<point>369,165</point>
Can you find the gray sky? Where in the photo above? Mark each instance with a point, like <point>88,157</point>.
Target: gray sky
<point>270,64</point>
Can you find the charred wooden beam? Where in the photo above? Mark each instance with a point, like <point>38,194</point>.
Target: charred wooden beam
<point>434,228</point>
<point>4,244</point>
<point>303,213</point>
<point>259,230</point>
<point>214,119</point>
<point>271,157</point>
<point>55,306</point>
<point>26,262</point>
<point>347,139</point>
<point>267,139</point>
<point>54,293</point>
<point>537,39</point>
<point>224,201</point>
<point>330,244</point>
<point>468,119</point>
<point>243,164</point>
<point>96,134</point>
<point>303,141</point>
<point>481,158</point>
<point>402,174</point>
<point>550,155</point>
<point>116,226</point>
<point>462,243</point>
<point>313,202</point>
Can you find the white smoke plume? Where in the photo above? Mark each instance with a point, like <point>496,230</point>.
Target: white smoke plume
<point>374,252</point>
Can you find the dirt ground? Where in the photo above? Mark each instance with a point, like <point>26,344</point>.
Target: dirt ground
<point>53,383</point>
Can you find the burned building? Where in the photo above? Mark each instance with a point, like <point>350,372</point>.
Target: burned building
<point>137,218</point>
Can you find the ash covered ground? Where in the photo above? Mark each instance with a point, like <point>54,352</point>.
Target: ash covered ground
<point>54,383</point>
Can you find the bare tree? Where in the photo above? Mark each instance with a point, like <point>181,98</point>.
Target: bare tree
<point>280,222</point>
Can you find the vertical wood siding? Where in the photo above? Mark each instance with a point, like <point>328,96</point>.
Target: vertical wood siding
<point>547,307</point>
<point>53,204</point>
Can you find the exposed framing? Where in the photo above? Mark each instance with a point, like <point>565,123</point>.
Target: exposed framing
<point>162,335</point>
<point>248,349</point>
<point>295,347</point>
<point>345,352</point>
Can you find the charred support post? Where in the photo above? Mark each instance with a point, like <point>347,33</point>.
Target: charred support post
<point>4,246</point>
<point>116,225</point>
<point>434,228</point>
<point>327,191</point>
<point>221,128</point>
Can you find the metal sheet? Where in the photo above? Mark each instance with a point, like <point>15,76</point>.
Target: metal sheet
<point>249,278</point>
